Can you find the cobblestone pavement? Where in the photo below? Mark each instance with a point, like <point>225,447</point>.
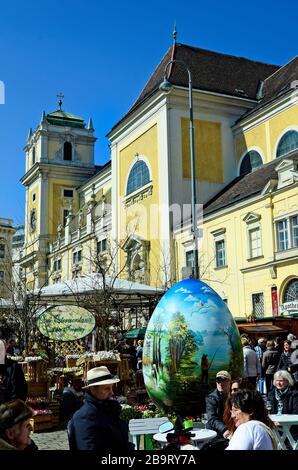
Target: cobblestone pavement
<point>51,440</point>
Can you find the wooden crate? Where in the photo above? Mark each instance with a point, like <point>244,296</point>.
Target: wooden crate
<point>71,362</point>
<point>35,371</point>
<point>41,422</point>
<point>37,389</point>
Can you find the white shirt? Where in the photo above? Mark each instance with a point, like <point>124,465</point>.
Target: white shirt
<point>250,436</point>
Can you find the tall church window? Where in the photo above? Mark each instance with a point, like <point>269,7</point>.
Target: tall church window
<point>138,176</point>
<point>67,151</point>
<point>250,162</point>
<point>288,143</point>
<point>33,155</point>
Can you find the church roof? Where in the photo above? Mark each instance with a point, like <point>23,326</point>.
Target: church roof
<point>210,71</point>
<point>284,80</point>
<point>246,186</point>
<point>61,118</point>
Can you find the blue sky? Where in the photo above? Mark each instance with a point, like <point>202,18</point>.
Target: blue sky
<point>100,55</point>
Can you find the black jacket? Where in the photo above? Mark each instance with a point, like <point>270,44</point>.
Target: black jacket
<point>12,382</point>
<point>270,361</point>
<point>284,361</point>
<point>290,402</point>
<point>97,426</point>
<point>215,403</point>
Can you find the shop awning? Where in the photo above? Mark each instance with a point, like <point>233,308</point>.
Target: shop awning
<point>137,333</point>
<point>259,329</point>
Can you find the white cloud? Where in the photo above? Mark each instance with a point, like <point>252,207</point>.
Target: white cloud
<point>190,298</point>
<point>207,289</point>
<point>183,291</point>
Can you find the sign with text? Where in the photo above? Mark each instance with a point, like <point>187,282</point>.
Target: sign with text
<point>66,322</point>
<point>289,308</point>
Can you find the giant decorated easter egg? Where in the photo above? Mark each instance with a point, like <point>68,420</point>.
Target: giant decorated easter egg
<point>190,337</point>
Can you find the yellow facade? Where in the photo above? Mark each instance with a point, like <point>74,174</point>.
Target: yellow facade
<point>135,219</point>
<point>266,134</point>
<point>208,150</point>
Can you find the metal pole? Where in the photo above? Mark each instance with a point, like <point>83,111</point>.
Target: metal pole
<point>194,228</point>
<point>193,183</point>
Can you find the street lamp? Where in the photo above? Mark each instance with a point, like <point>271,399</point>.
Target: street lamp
<point>166,86</point>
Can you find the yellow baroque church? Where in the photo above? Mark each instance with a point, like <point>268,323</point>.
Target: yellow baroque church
<point>132,216</point>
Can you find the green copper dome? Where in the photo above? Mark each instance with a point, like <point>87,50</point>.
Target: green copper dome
<point>61,118</point>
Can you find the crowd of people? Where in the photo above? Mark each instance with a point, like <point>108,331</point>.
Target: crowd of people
<point>238,408</point>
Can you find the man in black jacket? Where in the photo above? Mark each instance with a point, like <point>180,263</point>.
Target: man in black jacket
<point>97,426</point>
<point>12,381</point>
<point>215,404</point>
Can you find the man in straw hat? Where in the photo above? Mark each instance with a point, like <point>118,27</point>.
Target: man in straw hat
<point>15,426</point>
<point>97,425</point>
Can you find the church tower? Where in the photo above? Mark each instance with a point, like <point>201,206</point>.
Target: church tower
<point>59,158</point>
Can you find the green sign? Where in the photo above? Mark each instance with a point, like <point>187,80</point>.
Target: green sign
<point>66,322</point>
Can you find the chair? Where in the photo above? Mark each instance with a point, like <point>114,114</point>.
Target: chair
<point>144,427</point>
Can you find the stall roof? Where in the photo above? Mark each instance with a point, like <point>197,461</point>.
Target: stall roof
<point>261,329</point>
<point>94,282</point>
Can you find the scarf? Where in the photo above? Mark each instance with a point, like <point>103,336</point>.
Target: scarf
<point>281,394</point>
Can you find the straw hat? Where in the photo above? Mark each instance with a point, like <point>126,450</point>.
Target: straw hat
<point>100,376</point>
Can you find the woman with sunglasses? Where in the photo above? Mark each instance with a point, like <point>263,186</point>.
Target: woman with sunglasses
<point>253,426</point>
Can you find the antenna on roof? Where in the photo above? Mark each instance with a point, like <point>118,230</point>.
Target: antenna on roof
<point>60,96</point>
<point>175,33</point>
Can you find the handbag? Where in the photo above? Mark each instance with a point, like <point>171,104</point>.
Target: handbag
<point>261,386</point>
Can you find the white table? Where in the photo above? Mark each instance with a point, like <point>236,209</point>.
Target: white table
<point>200,436</point>
<point>285,422</point>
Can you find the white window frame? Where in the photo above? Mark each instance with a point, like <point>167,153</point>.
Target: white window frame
<point>252,304</point>
<point>220,236</point>
<point>99,242</point>
<point>290,231</point>
<point>251,230</point>
<point>75,252</point>
<point>56,263</point>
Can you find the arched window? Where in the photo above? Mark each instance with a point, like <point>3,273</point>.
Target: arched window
<point>291,292</point>
<point>138,176</point>
<point>250,162</point>
<point>287,143</point>
<point>67,151</point>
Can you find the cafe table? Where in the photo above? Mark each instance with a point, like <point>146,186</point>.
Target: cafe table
<point>282,431</point>
<point>200,437</point>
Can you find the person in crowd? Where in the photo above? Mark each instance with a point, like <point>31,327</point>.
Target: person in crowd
<point>260,348</point>
<point>10,348</point>
<point>70,400</point>
<point>269,363</point>
<point>285,357</point>
<point>278,344</point>
<point>252,366</point>
<point>291,337</point>
<point>240,383</point>
<point>15,426</point>
<point>215,403</point>
<point>205,364</point>
<point>12,381</point>
<point>139,354</point>
<point>252,424</point>
<point>97,426</point>
<point>283,396</point>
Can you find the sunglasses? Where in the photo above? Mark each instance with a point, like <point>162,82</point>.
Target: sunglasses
<point>220,380</point>
<point>234,389</point>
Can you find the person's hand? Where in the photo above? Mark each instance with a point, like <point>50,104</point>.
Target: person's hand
<point>227,434</point>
